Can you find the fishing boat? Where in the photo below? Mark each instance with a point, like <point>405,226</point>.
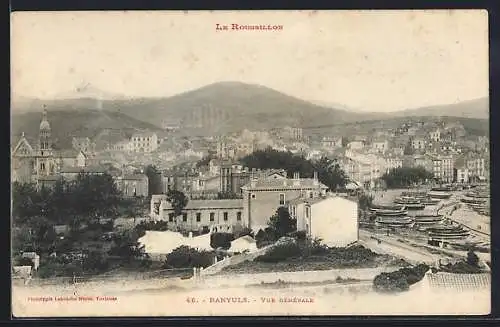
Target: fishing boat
<point>441,189</point>
<point>445,233</point>
<point>406,200</point>
<point>389,210</point>
<point>469,200</point>
<point>430,201</point>
<point>404,221</point>
<point>428,219</point>
<point>439,194</point>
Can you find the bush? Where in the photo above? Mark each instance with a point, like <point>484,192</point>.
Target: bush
<point>472,259</point>
<point>221,240</point>
<point>265,237</point>
<point>244,232</point>
<point>400,280</point>
<point>187,257</point>
<point>280,252</point>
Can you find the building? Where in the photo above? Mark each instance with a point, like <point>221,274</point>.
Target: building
<point>32,163</point>
<point>393,162</point>
<point>356,145</point>
<point>135,185</point>
<point>476,165</point>
<point>331,143</point>
<point>263,196</point>
<point>199,215</point>
<point>332,219</point>
<point>460,171</point>
<point>144,142</point>
<point>418,143</point>
<point>71,173</point>
<point>380,145</point>
<point>435,135</point>
<point>442,168</point>
<point>83,144</point>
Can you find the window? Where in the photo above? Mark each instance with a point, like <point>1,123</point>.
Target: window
<point>198,217</point>
<point>253,195</point>
<point>282,199</point>
<point>184,217</point>
<point>225,216</point>
<point>311,195</point>
<point>170,217</point>
<point>308,211</point>
<point>238,216</point>
<point>212,216</point>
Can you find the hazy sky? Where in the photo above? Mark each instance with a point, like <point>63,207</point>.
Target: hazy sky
<point>371,60</point>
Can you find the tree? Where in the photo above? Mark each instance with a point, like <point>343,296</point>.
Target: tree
<point>178,201</point>
<point>154,180</point>
<point>221,240</point>
<point>406,176</point>
<point>472,258</point>
<point>282,223</point>
<point>330,173</point>
<point>365,201</point>
<point>187,257</point>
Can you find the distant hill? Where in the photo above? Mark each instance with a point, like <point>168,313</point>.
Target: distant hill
<point>233,106</point>
<point>477,108</point>
<point>103,125</point>
<point>221,107</point>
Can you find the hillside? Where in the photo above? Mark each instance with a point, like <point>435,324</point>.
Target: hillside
<point>220,107</point>
<point>105,126</point>
<point>477,108</point>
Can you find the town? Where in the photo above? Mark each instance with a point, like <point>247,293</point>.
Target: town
<point>251,202</point>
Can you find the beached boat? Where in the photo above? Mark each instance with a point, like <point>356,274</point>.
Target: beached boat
<point>447,233</point>
<point>426,219</point>
<point>469,200</point>
<point>439,195</point>
<point>381,210</point>
<point>415,206</point>
<point>430,201</point>
<point>404,221</point>
<point>442,189</point>
<point>406,200</point>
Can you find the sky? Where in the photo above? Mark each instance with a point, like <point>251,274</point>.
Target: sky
<point>369,60</point>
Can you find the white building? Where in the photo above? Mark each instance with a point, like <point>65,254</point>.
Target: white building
<point>380,146</point>
<point>144,142</point>
<point>331,143</point>
<point>435,135</point>
<point>356,145</point>
<point>332,219</point>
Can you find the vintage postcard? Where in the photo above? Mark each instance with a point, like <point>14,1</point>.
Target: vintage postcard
<point>250,163</point>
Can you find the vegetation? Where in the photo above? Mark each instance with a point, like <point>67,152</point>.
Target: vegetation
<point>178,201</point>
<point>400,280</point>
<point>406,176</point>
<point>87,206</point>
<point>221,240</point>
<point>329,172</point>
<point>313,255</point>
<point>227,195</point>
<point>365,201</point>
<point>281,223</point>
<point>187,257</point>
<point>154,180</point>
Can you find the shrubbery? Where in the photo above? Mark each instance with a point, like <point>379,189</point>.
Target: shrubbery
<point>221,240</point>
<point>400,280</point>
<point>280,253</point>
<point>187,257</point>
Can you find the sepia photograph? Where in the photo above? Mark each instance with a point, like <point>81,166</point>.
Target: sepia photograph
<point>250,163</point>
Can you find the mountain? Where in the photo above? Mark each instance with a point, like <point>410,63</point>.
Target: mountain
<point>476,108</point>
<point>220,107</point>
<point>233,106</point>
<point>66,124</point>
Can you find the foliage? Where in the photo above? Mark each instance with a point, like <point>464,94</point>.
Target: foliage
<point>406,176</point>
<point>177,200</point>
<point>399,280</point>
<point>280,252</point>
<point>205,161</point>
<point>365,201</point>
<point>187,257</point>
<point>154,180</point>
<point>22,261</point>
<point>227,195</point>
<point>221,240</point>
<point>282,223</point>
<point>126,245</point>
<point>472,259</point>
<point>265,237</point>
<point>329,172</point>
